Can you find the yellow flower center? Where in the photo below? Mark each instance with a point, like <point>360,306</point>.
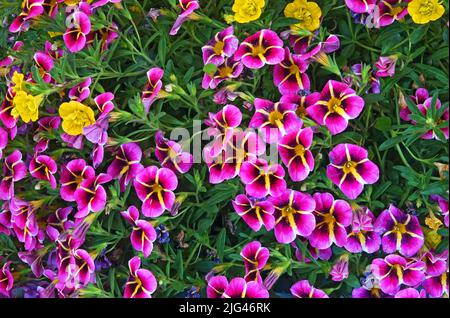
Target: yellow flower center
<point>334,104</point>
<point>293,69</point>
<point>288,211</point>
<point>218,47</point>
<point>299,150</point>
<point>349,167</point>
<point>156,188</point>
<point>400,228</point>
<point>275,116</point>
<point>329,218</point>
<point>257,50</point>
<point>301,111</point>
<point>225,72</point>
<point>427,7</point>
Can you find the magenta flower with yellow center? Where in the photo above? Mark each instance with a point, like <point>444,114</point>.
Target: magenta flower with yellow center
<point>261,48</point>
<point>350,169</point>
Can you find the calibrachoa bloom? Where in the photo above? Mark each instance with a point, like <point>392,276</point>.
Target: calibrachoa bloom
<point>339,271</point>
<point>361,6</point>
<point>255,213</point>
<point>363,236</point>
<point>247,10</point>
<point>43,167</point>
<point>153,87</point>
<point>222,127</point>
<point>187,8</point>
<point>262,179</point>
<point>437,286</point>
<point>337,104</point>
<point>78,27</point>
<point>91,195</point>
<point>143,234</point>
<point>72,175</point>
<point>332,218</point>
<point>14,169</point>
<point>6,279</point>
<point>141,282</point>
<point>350,169</point>
<point>424,11</point>
<point>126,164</point>
<point>394,270</point>
<point>400,231</point>
<point>391,11</point>
<point>224,44</point>
<point>30,10</point>
<point>274,120</point>
<point>289,76</point>
<point>81,91</point>
<point>255,258</point>
<point>307,12</point>
<point>293,215</point>
<point>410,293</point>
<point>154,188</point>
<point>261,48</point>
<point>26,106</point>
<point>303,289</point>
<point>229,69</point>
<point>295,154</point>
<point>219,287</point>
<point>385,66</point>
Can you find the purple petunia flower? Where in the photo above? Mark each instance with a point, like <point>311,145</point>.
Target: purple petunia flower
<point>261,48</point>
<point>6,279</point>
<point>255,213</point>
<point>303,289</point>
<point>410,293</point>
<point>45,64</point>
<point>332,218</point>
<point>219,287</point>
<point>171,155</point>
<point>143,234</point>
<point>72,175</point>
<point>262,179</point>
<point>338,104</point>
<point>420,96</point>
<point>400,231</point>
<point>141,282</point>
<point>363,236</point>
<point>302,102</point>
<point>14,169</point>
<point>390,11</point>
<point>385,66</point>
<point>437,286</point>
<point>30,10</point>
<point>81,91</point>
<point>153,87</point>
<point>350,169</point>
<point>79,27</point>
<point>43,167</point>
<point>394,270</point>
<point>224,44</point>
<point>154,188</point>
<point>126,164</point>
<point>289,75</point>
<point>58,222</point>
<point>339,271</point>
<point>361,6</point>
<point>435,264</point>
<point>187,8</point>
<point>229,69</point>
<point>255,258</point>
<point>293,215</point>
<point>274,119</point>
<point>91,195</point>
<point>295,154</point>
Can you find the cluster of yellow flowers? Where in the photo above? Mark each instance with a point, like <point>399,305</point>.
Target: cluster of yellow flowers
<point>25,106</point>
<point>309,13</point>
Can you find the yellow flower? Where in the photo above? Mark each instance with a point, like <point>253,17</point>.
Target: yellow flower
<point>75,117</point>
<point>308,13</point>
<point>432,238</point>
<point>247,10</point>
<point>19,83</point>
<point>424,11</point>
<point>26,106</point>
